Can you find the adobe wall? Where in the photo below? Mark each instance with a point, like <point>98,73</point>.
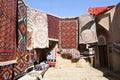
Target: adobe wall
<point>110,21</point>
<point>116,38</point>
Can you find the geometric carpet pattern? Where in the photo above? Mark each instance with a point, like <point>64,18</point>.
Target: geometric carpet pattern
<point>7,31</point>
<point>22,63</point>
<point>53,27</point>
<point>6,73</point>
<point>68,33</point>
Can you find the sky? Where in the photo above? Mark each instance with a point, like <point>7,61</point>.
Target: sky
<point>67,8</point>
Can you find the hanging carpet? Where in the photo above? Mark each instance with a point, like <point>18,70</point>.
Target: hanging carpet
<point>87,29</point>
<point>8,31</point>
<point>22,63</point>
<point>68,35</point>
<point>6,73</point>
<point>39,27</point>
<point>53,27</point>
<point>99,10</point>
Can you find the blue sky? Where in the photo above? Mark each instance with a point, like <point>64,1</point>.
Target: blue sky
<point>68,8</point>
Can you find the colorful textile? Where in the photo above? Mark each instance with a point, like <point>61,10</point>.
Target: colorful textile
<point>29,57</point>
<point>39,26</point>
<point>20,66</point>
<point>87,29</point>
<point>29,31</point>
<point>53,27</point>
<point>99,10</point>
<point>53,53</point>
<point>6,74</point>
<point>22,30</point>
<point>22,63</point>
<point>75,54</point>
<point>66,51</point>
<point>7,31</point>
<point>68,35</point>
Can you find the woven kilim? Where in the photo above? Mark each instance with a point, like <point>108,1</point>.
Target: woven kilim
<point>22,30</point>
<point>53,27</point>
<point>7,31</point>
<point>6,74</point>
<point>68,35</point>
<point>20,66</point>
<point>22,63</point>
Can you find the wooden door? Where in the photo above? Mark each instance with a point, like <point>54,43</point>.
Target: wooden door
<point>103,56</point>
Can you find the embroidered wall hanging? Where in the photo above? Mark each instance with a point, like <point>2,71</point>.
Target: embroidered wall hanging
<point>39,26</point>
<point>87,29</point>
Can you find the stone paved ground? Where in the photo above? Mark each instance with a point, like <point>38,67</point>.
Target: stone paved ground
<point>74,73</point>
<point>67,70</point>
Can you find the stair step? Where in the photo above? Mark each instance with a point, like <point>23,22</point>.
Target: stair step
<point>80,78</point>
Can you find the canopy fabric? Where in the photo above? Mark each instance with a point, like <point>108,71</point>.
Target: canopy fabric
<point>87,29</point>
<point>99,10</point>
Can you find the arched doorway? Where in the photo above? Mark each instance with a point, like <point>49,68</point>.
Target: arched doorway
<point>102,47</point>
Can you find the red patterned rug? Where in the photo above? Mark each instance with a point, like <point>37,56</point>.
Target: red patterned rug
<point>7,31</point>
<point>53,27</point>
<point>68,36</point>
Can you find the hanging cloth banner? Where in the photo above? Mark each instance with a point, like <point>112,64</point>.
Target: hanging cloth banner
<point>8,32</point>
<point>39,27</point>
<point>87,29</point>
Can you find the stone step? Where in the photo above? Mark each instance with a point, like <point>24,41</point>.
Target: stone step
<point>76,78</point>
<point>70,72</point>
<point>61,63</point>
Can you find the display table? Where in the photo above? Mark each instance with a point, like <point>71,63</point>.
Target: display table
<point>32,75</point>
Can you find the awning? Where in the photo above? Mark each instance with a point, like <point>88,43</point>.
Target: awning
<point>99,10</point>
